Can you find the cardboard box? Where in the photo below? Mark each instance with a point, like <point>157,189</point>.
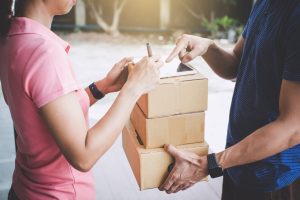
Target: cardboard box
<point>176,95</point>
<point>150,166</point>
<point>175,129</point>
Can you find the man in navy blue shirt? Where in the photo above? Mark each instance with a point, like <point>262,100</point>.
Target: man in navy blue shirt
<point>262,155</point>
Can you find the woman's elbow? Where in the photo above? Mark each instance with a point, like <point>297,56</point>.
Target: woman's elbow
<point>81,165</point>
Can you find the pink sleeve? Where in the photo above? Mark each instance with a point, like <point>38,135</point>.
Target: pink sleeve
<point>48,75</point>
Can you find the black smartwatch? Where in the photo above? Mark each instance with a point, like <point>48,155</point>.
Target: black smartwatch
<point>214,169</point>
<point>97,94</point>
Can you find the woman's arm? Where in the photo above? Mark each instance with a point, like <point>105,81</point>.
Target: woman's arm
<point>82,146</point>
<point>102,86</point>
<point>114,80</point>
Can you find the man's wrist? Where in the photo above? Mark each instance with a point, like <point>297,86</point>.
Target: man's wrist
<point>214,168</point>
<point>211,46</point>
<point>220,157</point>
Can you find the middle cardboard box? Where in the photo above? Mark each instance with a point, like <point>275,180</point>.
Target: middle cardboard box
<point>176,129</point>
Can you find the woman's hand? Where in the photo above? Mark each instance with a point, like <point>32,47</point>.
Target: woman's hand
<point>116,77</point>
<point>188,47</point>
<point>145,75</point>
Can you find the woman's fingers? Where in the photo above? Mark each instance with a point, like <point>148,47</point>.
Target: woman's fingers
<point>159,64</point>
<point>121,64</point>
<point>155,58</point>
<point>127,59</point>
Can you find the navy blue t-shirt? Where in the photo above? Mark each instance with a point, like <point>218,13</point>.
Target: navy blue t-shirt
<point>271,53</point>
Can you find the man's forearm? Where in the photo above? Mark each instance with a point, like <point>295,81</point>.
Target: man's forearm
<point>223,63</point>
<point>266,141</point>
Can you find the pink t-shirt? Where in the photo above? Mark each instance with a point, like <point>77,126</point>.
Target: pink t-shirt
<point>34,70</point>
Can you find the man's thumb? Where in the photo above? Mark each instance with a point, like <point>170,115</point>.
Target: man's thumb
<point>172,150</point>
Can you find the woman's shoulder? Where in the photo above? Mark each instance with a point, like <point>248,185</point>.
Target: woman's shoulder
<point>30,35</point>
<point>36,43</point>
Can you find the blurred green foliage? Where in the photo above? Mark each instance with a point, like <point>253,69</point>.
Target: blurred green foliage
<point>219,27</point>
<point>225,23</point>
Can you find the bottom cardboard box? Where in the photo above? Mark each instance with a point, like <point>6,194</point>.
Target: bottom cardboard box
<point>150,166</point>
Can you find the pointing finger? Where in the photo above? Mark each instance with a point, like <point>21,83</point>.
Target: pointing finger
<point>179,47</point>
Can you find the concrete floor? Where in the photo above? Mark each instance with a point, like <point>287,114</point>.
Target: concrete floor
<point>114,178</point>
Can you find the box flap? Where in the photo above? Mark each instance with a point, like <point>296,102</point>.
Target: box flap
<point>169,80</point>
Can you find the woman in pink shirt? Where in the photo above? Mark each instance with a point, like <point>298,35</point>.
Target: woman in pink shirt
<point>56,147</point>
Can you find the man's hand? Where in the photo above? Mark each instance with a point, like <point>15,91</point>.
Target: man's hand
<point>188,47</point>
<point>224,63</point>
<point>116,78</point>
<point>189,169</point>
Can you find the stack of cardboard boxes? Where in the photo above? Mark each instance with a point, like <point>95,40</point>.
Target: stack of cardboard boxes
<point>173,113</point>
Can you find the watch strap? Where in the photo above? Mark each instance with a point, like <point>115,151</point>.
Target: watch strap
<point>97,94</point>
<point>214,169</point>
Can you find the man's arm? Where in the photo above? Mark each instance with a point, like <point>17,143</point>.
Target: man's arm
<point>273,138</point>
<point>224,63</point>
<point>269,140</point>
<point>227,62</point>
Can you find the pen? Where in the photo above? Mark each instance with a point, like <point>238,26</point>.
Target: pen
<point>149,49</point>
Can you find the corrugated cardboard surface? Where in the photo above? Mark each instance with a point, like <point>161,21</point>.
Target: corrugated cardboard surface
<point>150,166</point>
<point>176,95</point>
<point>175,129</point>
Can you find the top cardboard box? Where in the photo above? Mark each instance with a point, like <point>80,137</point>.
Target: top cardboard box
<point>176,95</point>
